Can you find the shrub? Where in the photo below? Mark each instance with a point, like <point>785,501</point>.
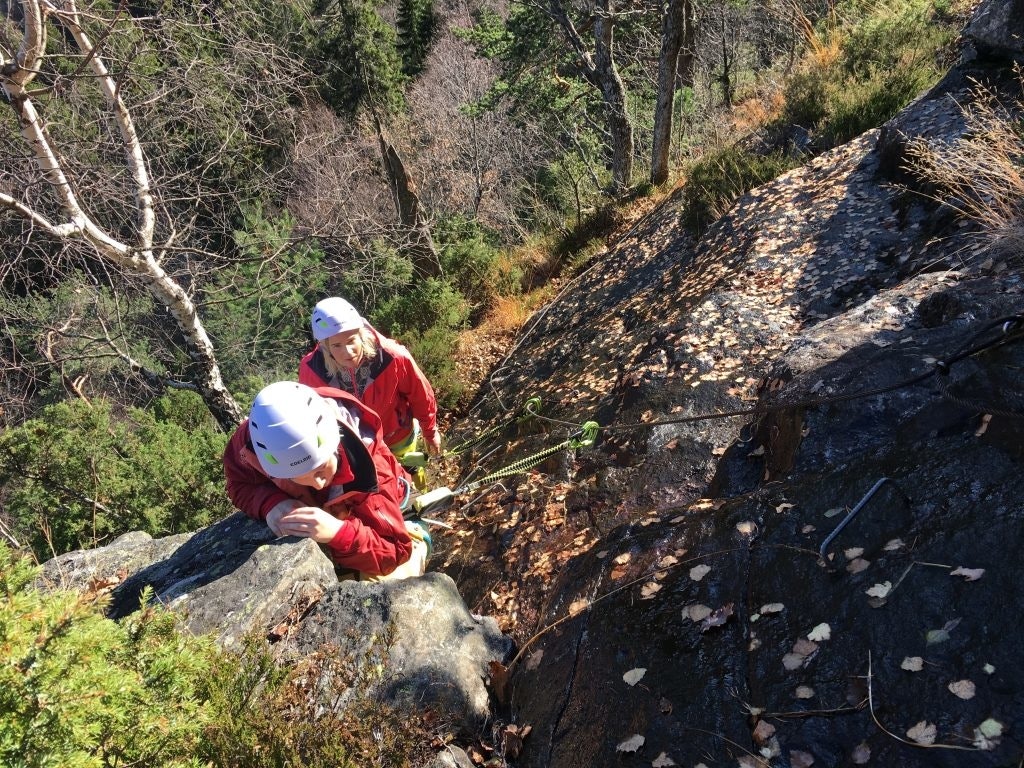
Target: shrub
<point>857,76</point>
<point>80,474</point>
<point>77,689</point>
<point>978,174</point>
<point>715,182</point>
<point>472,263</point>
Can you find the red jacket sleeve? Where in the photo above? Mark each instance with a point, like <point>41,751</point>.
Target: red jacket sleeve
<point>249,490</point>
<point>307,375</point>
<point>417,390</point>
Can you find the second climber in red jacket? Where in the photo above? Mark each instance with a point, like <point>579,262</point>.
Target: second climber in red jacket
<point>352,356</point>
<point>311,463</point>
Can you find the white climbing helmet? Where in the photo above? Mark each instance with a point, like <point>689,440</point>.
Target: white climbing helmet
<point>334,315</point>
<point>292,429</point>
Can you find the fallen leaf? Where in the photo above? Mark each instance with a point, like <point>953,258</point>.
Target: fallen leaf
<point>717,617</point>
<point>922,733</point>
<point>512,739</point>
<point>632,744</point>
<point>771,608</point>
<point>498,673</point>
<point>649,590</point>
<point>962,689</point>
<point>663,761</point>
<point>793,661</point>
<point>578,606</point>
<point>912,664</point>
<point>697,612</point>
<point>808,529</point>
<point>671,444</point>
<point>804,692</point>
<point>893,544</point>
<point>667,561</point>
<point>969,574</point>
<point>763,731</point>
<point>622,559</point>
<point>804,647</point>
<point>784,506</point>
<point>988,669</point>
<point>834,511</point>
<point>800,759</point>
<point>746,528</point>
<point>698,572</point>
<point>861,754</point>
<point>853,552</point>
<point>986,735</point>
<point>857,565</point>
<point>879,590</point>
<point>634,676</point>
<point>820,633</point>
<point>759,451</point>
<point>936,636</point>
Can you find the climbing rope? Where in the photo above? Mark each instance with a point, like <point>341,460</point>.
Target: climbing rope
<point>530,407</point>
<point>583,438</point>
<point>1011,331</point>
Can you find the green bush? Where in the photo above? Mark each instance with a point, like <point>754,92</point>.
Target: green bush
<point>881,62</point>
<point>78,475</point>
<point>715,182</point>
<point>471,261</point>
<point>78,690</point>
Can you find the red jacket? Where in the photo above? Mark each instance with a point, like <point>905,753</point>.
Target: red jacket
<point>396,388</point>
<point>374,539</point>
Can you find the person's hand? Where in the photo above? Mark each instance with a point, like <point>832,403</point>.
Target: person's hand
<point>309,523</point>
<point>278,511</point>
<point>434,444</point>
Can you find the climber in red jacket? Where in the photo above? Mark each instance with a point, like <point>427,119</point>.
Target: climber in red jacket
<point>311,463</point>
<point>352,356</point>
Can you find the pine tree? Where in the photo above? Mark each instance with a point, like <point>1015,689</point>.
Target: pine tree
<point>417,24</point>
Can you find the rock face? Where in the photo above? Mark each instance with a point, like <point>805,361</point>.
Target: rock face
<point>234,578</point>
<point>715,633</point>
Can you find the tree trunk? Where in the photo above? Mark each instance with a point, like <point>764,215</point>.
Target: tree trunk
<point>673,32</point>
<point>407,203</point>
<point>600,71</point>
<point>614,92</point>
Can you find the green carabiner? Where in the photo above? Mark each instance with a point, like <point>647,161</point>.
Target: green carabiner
<point>588,434</point>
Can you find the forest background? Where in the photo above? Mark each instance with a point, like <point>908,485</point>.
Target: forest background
<point>181,182</point>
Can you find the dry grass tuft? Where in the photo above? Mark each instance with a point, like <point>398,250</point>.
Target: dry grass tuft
<point>980,174</point>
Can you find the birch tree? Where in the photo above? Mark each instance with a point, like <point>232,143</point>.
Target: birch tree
<point>64,202</point>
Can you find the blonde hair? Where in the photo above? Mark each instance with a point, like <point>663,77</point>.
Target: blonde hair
<point>367,349</point>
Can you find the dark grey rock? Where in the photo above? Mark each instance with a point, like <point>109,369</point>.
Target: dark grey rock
<point>110,564</point>
<point>437,652</point>
<point>996,29</point>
